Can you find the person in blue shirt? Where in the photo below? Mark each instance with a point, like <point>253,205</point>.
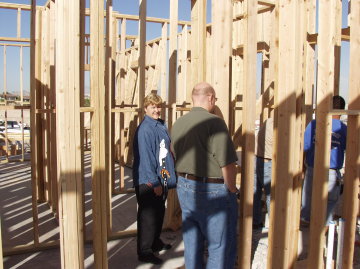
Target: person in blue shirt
<point>338,145</point>
<point>152,156</point>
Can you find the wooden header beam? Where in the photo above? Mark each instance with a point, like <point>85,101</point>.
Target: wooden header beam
<point>345,36</point>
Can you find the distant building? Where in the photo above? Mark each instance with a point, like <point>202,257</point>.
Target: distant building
<point>26,98</point>
<point>9,97</point>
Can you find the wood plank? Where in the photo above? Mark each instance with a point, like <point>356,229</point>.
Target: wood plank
<point>110,48</point>
<point>164,35</point>
<point>248,134</point>
<point>326,45</point>
<point>352,162</point>
<point>337,25</point>
<point>15,6</point>
<point>198,41</point>
<point>173,206</point>
<point>34,19</point>
<point>286,50</point>
<point>18,23</point>
<point>309,65</point>
<point>142,54</point>
<point>98,146</point>
<point>221,54</point>
<point>172,88</point>
<point>14,39</point>
<point>300,122</point>
<point>52,97</point>
<point>68,34</point>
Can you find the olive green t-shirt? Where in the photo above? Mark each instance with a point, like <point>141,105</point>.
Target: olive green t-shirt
<point>201,144</point>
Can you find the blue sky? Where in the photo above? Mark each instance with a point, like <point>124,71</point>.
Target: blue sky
<point>155,8</point>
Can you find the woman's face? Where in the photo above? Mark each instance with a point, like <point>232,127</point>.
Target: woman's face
<point>153,111</point>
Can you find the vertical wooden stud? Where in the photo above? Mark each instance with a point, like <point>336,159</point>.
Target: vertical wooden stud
<point>98,146</point>
<point>68,136</point>
<point>33,85</point>
<point>352,162</point>
<point>164,42</point>
<point>142,55</point>
<point>326,45</point>
<point>248,127</point>
<point>172,202</point>
<point>286,49</point>
<point>198,41</point>
<point>221,53</point>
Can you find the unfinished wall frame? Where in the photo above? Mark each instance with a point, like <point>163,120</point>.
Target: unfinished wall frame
<point>223,53</point>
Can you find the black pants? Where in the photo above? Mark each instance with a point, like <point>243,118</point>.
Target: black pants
<point>150,219</point>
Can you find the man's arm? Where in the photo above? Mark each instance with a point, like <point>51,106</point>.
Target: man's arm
<point>229,174</point>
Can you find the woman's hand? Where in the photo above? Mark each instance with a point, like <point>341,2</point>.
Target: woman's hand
<point>158,190</point>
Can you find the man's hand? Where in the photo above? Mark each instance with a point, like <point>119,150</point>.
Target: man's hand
<point>229,174</point>
<point>158,190</point>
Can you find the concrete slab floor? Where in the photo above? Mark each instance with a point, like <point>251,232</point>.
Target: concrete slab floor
<point>16,217</point>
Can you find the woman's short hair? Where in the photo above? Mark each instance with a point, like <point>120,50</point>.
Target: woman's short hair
<point>152,99</point>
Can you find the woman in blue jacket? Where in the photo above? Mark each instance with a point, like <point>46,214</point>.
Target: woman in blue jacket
<point>152,159</point>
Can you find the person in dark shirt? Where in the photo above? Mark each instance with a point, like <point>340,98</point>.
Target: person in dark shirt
<point>205,163</point>
<point>151,156</point>
<point>338,145</point>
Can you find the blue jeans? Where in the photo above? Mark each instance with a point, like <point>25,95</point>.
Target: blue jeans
<point>209,213</point>
<point>262,181</point>
<point>333,196</point>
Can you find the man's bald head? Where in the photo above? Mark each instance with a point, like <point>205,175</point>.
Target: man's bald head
<point>202,88</point>
<point>203,95</point>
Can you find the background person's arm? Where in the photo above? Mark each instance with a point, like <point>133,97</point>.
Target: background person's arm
<point>229,174</point>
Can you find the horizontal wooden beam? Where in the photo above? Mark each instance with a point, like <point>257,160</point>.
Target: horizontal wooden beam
<point>150,42</point>
<point>148,19</point>
<point>120,110</point>
<point>345,36</point>
<point>260,10</point>
<point>344,112</point>
<point>261,47</point>
<point>15,107</point>
<point>125,191</point>
<point>14,39</point>
<point>14,6</point>
<point>21,249</point>
<point>42,111</point>
<point>87,109</point>
<point>14,45</point>
<point>268,3</point>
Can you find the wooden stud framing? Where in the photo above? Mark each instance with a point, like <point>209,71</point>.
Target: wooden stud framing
<point>352,163</point>
<point>163,60</point>
<point>109,104</point>
<point>221,53</point>
<point>68,137</point>
<point>286,50</point>
<point>98,146</point>
<point>309,54</point>
<point>285,35</point>
<point>326,45</point>
<point>33,84</point>
<point>172,220</point>
<point>52,101</point>
<point>142,54</point>
<point>248,143</point>
<point>198,41</point>
<point>299,126</point>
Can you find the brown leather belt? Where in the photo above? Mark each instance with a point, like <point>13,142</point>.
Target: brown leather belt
<point>265,159</point>
<point>202,179</point>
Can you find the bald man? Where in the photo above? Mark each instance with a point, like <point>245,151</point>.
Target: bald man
<point>205,164</point>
